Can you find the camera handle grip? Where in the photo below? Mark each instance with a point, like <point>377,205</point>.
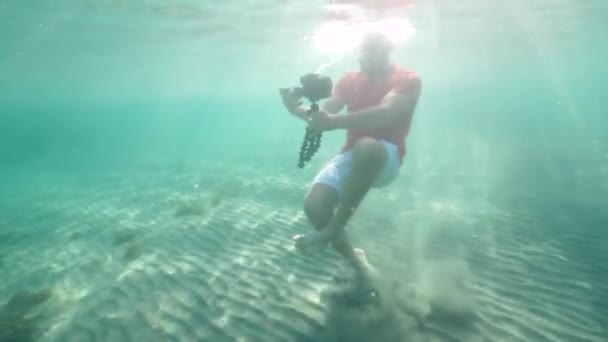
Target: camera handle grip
<point>313,108</point>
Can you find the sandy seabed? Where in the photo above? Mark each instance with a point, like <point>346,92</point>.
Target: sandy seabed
<point>204,255</point>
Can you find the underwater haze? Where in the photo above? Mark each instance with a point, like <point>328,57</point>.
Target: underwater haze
<point>150,187</point>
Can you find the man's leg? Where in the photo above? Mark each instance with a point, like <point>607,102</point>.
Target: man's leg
<point>319,207</point>
<point>369,157</point>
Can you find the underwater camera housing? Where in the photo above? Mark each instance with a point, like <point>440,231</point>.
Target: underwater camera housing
<point>314,88</point>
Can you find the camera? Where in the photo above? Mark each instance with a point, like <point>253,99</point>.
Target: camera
<point>314,87</point>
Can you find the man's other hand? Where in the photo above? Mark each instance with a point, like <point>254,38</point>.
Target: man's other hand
<point>291,101</point>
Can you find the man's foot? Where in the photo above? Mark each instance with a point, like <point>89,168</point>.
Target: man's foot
<point>315,242</point>
<point>368,273</point>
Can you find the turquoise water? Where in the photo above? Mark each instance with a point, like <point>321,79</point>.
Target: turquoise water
<point>150,186</point>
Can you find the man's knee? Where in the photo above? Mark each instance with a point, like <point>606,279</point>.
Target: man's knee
<point>369,152</point>
<point>320,203</point>
<point>311,207</point>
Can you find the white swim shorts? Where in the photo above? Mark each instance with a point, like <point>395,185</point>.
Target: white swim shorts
<point>334,173</point>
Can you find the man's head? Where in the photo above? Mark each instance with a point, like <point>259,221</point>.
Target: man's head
<point>374,52</point>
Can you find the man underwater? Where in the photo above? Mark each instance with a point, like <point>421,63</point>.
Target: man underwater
<point>381,99</point>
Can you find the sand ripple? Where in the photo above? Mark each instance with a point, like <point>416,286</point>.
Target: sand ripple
<point>129,269</point>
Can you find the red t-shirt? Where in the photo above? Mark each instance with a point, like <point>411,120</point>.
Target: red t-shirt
<point>356,90</point>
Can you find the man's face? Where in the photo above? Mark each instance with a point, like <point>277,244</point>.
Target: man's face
<point>373,57</point>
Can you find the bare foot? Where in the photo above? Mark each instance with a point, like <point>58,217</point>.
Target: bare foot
<point>312,243</point>
<point>368,272</point>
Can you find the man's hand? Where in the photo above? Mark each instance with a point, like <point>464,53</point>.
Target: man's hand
<point>320,122</point>
<point>292,102</point>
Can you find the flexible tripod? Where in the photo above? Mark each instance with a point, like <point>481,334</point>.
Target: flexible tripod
<point>311,142</point>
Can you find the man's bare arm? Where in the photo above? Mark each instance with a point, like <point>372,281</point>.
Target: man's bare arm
<point>393,106</point>
<point>333,105</point>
